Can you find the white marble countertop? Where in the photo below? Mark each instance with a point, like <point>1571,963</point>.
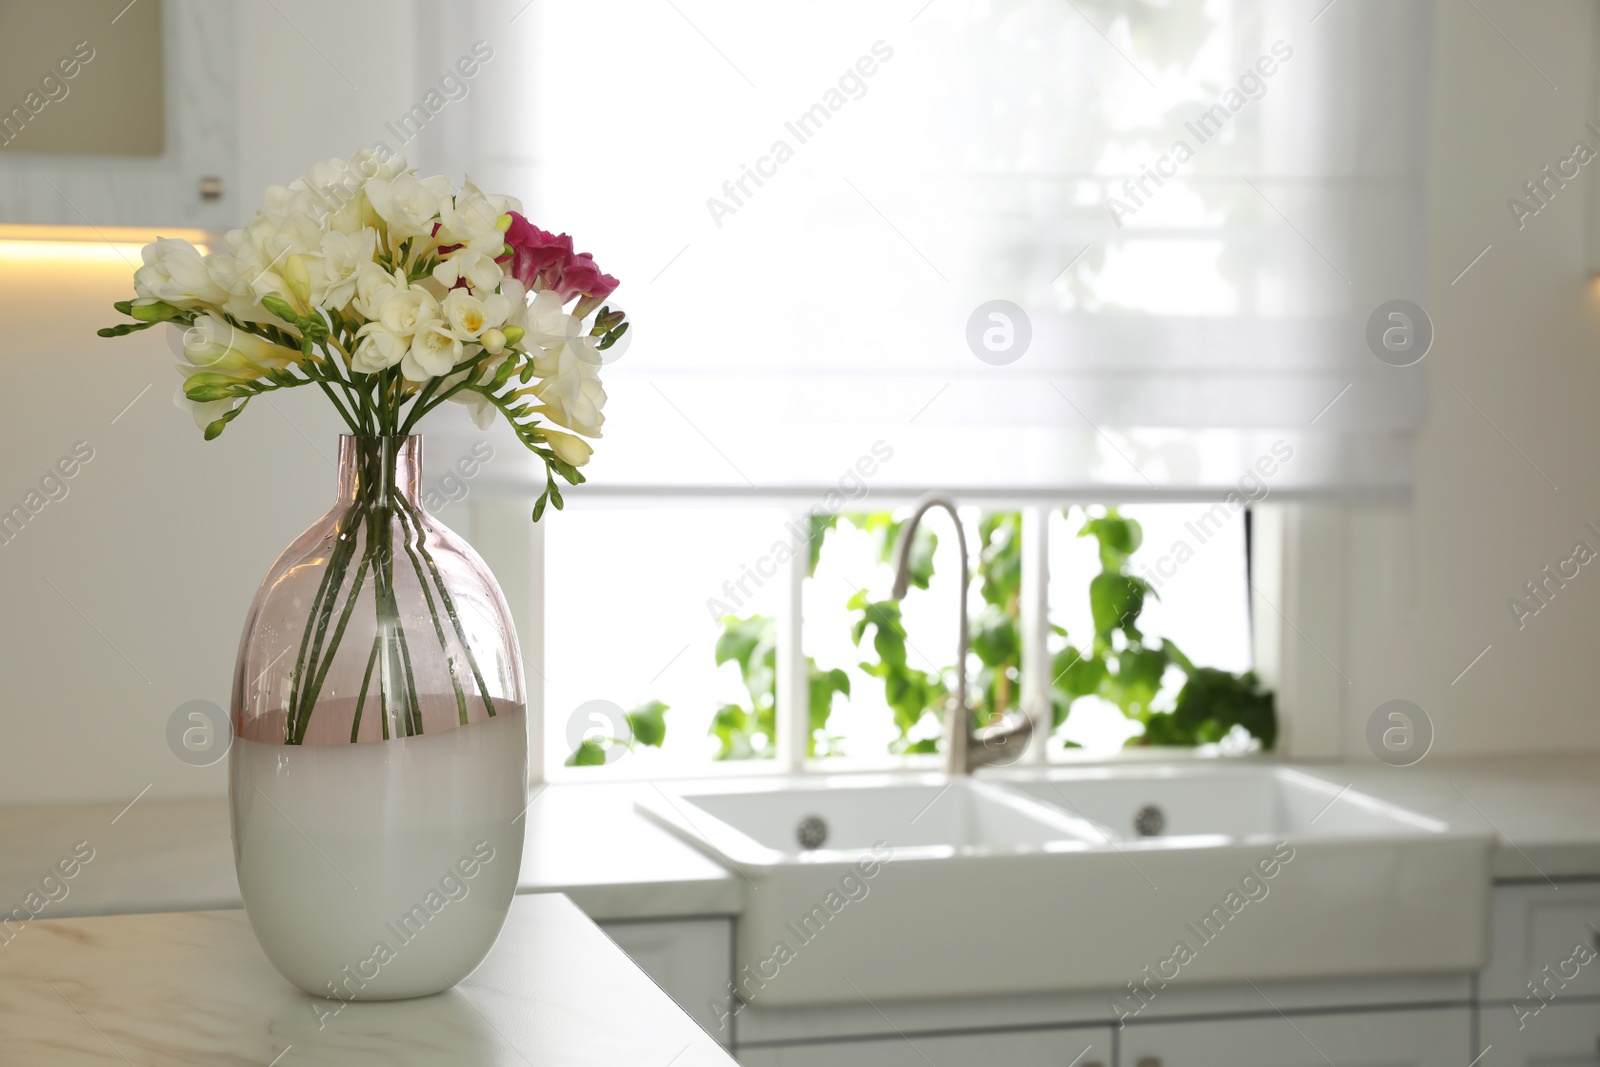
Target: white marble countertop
<point>195,988</point>
<point>1544,809</point>
<point>586,841</point>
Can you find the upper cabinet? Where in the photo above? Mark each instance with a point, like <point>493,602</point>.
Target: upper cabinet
<point>118,114</point>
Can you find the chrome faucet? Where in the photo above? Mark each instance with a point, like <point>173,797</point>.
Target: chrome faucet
<point>964,747</point>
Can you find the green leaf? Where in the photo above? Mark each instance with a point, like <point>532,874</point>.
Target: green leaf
<point>1116,600</point>
<point>995,637</point>
<point>822,687</point>
<point>1210,704</point>
<point>589,753</point>
<point>648,723</point>
<point>819,525</point>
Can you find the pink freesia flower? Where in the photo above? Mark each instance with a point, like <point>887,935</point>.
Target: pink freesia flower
<point>542,260</point>
<point>579,275</point>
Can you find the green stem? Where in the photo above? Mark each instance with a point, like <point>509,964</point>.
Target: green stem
<point>433,612</point>
<point>361,697</point>
<point>310,699</point>
<point>332,580</point>
<point>301,668</point>
<point>450,610</point>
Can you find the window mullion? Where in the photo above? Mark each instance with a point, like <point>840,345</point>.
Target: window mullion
<point>792,695</point>
<point>1035,626</point>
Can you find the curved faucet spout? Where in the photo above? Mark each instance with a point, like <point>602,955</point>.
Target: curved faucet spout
<point>963,749</point>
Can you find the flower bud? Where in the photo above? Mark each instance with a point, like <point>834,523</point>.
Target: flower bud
<point>298,277</point>
<point>152,311</point>
<point>503,223</point>
<point>493,341</point>
<point>514,334</point>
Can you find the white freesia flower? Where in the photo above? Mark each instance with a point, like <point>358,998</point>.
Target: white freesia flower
<point>435,350</point>
<point>374,285</point>
<point>575,450</point>
<point>570,390</point>
<point>175,272</point>
<point>214,346</point>
<point>548,324</point>
<point>472,213</point>
<point>204,414</point>
<point>336,270</point>
<point>406,203</point>
<point>370,163</point>
<point>473,262</point>
<point>470,316</point>
<point>478,407</point>
<point>378,348</point>
<point>404,311</point>
<point>517,294</point>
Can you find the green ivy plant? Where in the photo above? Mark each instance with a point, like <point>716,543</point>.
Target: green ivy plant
<point>1127,668</point>
<point>750,732</point>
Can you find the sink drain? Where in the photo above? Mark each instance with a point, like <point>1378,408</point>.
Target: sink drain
<point>1149,821</point>
<point>811,832</point>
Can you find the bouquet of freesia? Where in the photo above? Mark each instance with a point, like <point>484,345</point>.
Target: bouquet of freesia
<point>392,293</point>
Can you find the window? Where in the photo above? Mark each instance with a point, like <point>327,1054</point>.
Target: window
<point>681,616</point>
<point>811,210</point>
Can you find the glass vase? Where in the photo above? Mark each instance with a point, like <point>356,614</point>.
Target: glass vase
<point>379,764</point>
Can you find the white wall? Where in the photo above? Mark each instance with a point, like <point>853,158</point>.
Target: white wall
<point>1427,587</point>
<point>158,546</point>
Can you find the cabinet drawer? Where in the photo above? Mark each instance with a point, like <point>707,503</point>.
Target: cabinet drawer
<point>1560,1035</point>
<point>1035,1048</point>
<point>690,959</point>
<point>1544,935</point>
<point>1435,1038</point>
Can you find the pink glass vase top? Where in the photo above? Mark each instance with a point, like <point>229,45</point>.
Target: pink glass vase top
<point>379,766</point>
<point>378,621</point>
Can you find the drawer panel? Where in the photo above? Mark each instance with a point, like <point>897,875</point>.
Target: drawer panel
<point>1547,935</point>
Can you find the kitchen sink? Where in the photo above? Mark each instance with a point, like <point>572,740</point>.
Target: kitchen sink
<point>1237,803</point>
<point>840,820</point>
<point>1029,880</point>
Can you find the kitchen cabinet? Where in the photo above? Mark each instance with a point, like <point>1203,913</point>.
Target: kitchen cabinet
<point>690,959</point>
<point>1433,1038</point>
<point>1081,1047</point>
<point>1560,1035</point>
<point>1545,935</point>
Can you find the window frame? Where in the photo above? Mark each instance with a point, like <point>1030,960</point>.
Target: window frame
<point>1281,535</point>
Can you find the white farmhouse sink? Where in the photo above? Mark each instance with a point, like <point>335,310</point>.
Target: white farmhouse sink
<point>757,824</point>
<point>1238,802</point>
<point>1028,881</point>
